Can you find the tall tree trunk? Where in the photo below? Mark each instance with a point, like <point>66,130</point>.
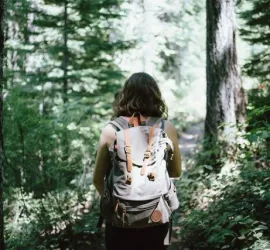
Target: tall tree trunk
<point>225,95</point>
<point>65,78</point>
<point>2,38</point>
<point>143,36</point>
<point>65,57</point>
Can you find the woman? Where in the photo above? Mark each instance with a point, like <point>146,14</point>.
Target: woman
<point>139,94</point>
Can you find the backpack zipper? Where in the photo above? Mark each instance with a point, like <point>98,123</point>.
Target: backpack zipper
<point>149,205</point>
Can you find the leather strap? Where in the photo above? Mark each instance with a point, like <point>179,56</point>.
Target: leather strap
<point>142,120</point>
<point>151,135</point>
<point>147,153</point>
<point>128,150</point>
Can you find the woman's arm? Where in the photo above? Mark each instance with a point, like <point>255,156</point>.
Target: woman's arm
<point>174,165</point>
<point>103,157</point>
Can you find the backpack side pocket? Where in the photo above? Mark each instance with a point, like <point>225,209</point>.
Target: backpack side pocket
<point>171,197</point>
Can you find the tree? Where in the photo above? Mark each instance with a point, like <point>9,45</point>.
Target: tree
<point>256,32</point>
<point>180,51</point>
<point>61,78</point>
<point>70,48</point>
<point>225,95</point>
<point>17,35</point>
<point>2,245</point>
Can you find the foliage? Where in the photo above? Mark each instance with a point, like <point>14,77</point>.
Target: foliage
<point>61,76</point>
<point>256,32</point>
<point>236,220</point>
<point>179,46</point>
<point>51,221</point>
<point>259,116</point>
<point>229,209</point>
<point>226,204</point>
<point>33,144</point>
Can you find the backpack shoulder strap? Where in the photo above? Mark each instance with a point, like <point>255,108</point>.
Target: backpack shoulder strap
<point>115,125</point>
<point>119,123</point>
<point>162,124</point>
<point>155,122</point>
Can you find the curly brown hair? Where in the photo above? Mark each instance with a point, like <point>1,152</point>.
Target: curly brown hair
<point>140,94</point>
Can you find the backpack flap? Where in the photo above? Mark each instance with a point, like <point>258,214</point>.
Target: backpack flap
<point>171,197</point>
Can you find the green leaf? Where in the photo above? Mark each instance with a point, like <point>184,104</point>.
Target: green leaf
<point>238,218</point>
<point>242,237</point>
<point>258,235</point>
<point>253,137</point>
<point>265,134</point>
<point>226,246</point>
<point>208,167</point>
<point>262,227</point>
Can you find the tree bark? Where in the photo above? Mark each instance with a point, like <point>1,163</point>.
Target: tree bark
<point>65,58</point>
<point>225,96</point>
<point>2,38</point>
<point>65,64</point>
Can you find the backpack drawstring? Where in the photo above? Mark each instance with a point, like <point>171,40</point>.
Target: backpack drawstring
<point>123,211</point>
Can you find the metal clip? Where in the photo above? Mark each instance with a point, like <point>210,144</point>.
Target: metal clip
<point>147,154</point>
<point>129,180</point>
<point>128,149</point>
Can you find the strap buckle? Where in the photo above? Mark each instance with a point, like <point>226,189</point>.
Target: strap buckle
<point>151,176</point>
<point>147,154</point>
<point>128,180</point>
<point>128,149</point>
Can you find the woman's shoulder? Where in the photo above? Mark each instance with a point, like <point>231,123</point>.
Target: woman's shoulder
<point>168,124</point>
<point>169,128</point>
<point>108,134</point>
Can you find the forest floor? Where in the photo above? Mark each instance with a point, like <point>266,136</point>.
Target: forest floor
<point>190,138</point>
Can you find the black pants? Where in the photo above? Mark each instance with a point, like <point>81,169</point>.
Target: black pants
<point>151,238</point>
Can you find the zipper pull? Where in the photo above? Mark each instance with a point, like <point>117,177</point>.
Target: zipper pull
<point>116,206</point>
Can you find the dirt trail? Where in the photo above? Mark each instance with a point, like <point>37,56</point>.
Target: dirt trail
<point>188,142</point>
<point>190,138</point>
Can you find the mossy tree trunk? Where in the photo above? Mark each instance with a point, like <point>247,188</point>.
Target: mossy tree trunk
<point>65,64</point>
<point>2,244</point>
<point>225,95</point>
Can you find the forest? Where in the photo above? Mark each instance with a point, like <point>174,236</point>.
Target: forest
<point>61,64</point>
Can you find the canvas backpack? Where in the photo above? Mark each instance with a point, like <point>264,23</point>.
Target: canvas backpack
<point>138,192</point>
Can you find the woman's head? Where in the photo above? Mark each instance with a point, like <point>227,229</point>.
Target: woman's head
<point>140,94</point>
